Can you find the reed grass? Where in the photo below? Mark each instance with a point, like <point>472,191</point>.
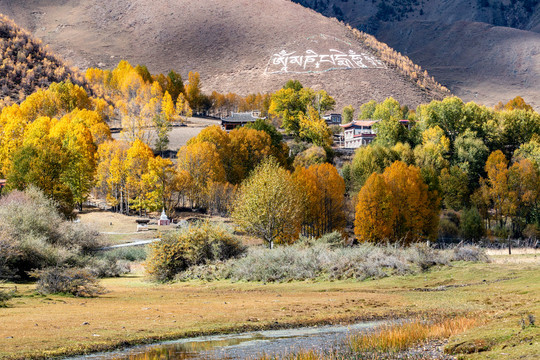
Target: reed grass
<point>399,337</point>
<point>385,340</point>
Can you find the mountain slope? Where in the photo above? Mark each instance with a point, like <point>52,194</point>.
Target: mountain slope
<point>231,43</point>
<point>485,50</point>
<point>27,65</point>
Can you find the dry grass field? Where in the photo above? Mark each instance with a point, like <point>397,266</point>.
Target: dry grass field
<point>135,310</point>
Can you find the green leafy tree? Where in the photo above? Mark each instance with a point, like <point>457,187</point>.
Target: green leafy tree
<point>453,117</point>
<point>389,109</point>
<point>293,100</point>
<point>454,187</point>
<point>470,154</point>
<point>530,150</point>
<point>367,160</point>
<point>471,224</point>
<point>42,165</point>
<point>518,127</point>
<point>175,85</point>
<point>366,110</point>
<point>348,114</point>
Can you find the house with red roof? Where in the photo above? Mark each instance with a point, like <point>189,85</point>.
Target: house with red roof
<point>358,133</point>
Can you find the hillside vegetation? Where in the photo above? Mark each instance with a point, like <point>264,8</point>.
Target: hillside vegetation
<point>27,64</point>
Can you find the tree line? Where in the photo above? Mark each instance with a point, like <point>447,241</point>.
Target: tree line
<point>479,165</point>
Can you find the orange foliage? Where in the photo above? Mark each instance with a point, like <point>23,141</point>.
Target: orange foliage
<point>516,103</point>
<point>396,207</point>
<point>323,195</point>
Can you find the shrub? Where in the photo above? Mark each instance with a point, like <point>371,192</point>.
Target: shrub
<point>74,281</point>
<point>195,245</point>
<point>5,295</point>
<point>132,253</point>
<point>38,236</point>
<point>472,225</point>
<point>103,268</point>
<point>312,156</point>
<point>333,240</point>
<point>304,261</point>
<point>7,254</point>
<point>532,231</point>
<point>469,253</point>
<point>448,229</point>
<point>425,256</point>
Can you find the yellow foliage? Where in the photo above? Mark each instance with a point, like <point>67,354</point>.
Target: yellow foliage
<point>200,164</point>
<point>315,129</point>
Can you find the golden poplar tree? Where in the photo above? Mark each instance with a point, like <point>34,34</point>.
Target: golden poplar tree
<point>137,159</point>
<point>200,165</point>
<point>397,207</point>
<point>323,198</point>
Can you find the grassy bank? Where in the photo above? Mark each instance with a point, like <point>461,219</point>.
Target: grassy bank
<point>135,311</point>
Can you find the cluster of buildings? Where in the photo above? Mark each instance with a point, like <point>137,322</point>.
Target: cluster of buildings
<point>355,134</point>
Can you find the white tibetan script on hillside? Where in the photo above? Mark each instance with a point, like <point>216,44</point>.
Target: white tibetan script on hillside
<point>313,62</point>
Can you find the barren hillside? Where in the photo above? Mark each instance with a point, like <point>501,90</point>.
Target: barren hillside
<point>484,50</point>
<point>236,45</point>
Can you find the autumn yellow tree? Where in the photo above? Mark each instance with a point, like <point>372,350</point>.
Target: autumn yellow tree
<point>193,91</point>
<point>200,165</point>
<point>524,182</point>
<point>513,192</point>
<point>268,205</point>
<point>239,151</point>
<point>314,129</point>
<point>81,150</point>
<point>183,110</point>
<point>137,159</point>
<point>294,99</point>
<point>161,180</point>
<point>322,191</point>
<point>375,211</point>
<point>13,125</point>
<point>397,206</point>
<point>111,174</point>
<point>501,196</point>
<point>248,148</point>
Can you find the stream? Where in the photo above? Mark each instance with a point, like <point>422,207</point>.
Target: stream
<point>238,346</point>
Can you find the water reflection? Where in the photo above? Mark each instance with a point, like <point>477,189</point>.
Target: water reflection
<point>237,346</point>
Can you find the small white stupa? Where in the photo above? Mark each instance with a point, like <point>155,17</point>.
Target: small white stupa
<point>163,219</point>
